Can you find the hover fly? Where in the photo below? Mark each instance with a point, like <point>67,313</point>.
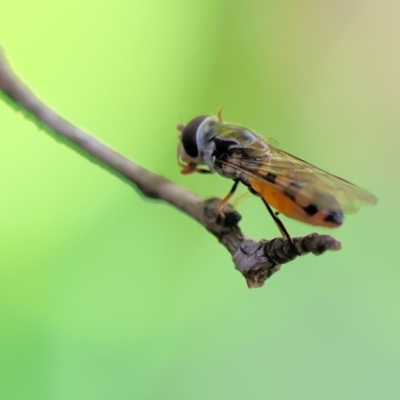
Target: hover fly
<point>284,182</point>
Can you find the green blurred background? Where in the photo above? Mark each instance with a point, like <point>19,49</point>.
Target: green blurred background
<point>106,295</point>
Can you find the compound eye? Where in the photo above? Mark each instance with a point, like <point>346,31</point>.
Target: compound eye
<point>189,136</point>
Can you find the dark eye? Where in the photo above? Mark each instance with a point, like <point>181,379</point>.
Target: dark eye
<point>189,136</point>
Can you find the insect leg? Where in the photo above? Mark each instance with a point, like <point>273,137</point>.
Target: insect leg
<point>280,225</point>
<point>240,199</point>
<point>225,200</point>
<point>191,168</point>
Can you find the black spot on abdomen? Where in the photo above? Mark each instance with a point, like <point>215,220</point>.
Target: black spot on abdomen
<point>311,209</point>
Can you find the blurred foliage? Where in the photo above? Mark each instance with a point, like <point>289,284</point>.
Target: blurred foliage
<point>106,295</point>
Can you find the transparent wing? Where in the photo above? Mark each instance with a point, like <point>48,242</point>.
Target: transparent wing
<point>290,174</point>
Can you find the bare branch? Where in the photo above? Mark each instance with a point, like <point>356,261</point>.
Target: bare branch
<point>257,261</point>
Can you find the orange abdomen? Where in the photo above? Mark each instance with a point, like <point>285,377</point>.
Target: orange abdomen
<point>298,206</point>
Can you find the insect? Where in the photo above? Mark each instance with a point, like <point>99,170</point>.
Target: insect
<point>284,182</point>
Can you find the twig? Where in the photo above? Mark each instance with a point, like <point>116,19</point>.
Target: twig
<point>257,261</point>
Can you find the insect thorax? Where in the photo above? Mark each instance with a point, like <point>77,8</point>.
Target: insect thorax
<point>219,148</point>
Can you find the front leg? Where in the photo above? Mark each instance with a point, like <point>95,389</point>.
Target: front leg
<point>191,168</point>
<point>226,199</point>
